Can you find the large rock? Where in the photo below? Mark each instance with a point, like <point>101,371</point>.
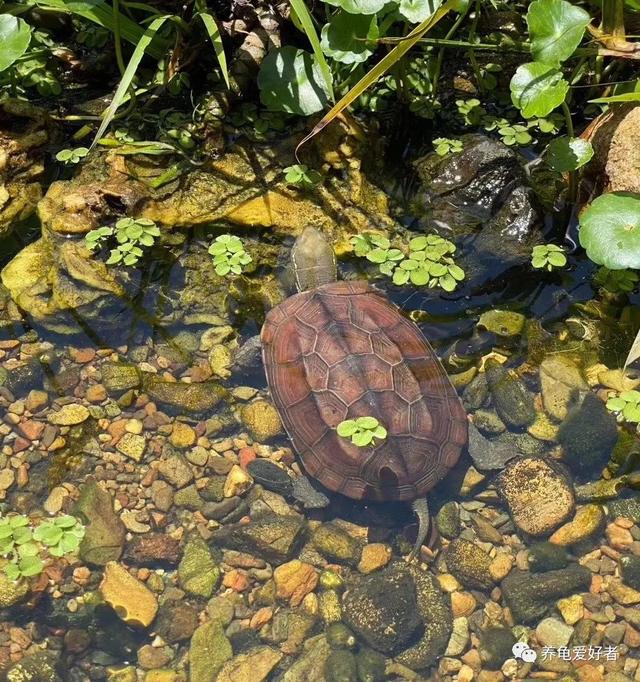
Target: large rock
<point>469,563</point>
<point>254,665</point>
<point>309,667</point>
<point>43,666</point>
<point>512,401</point>
<point>271,537</point>
<point>131,599</point>
<point>529,595</point>
<point>198,573</point>
<point>382,609</point>
<point>183,398</point>
<point>105,533</point>
<point>118,377</point>
<point>560,380</point>
<point>210,650</point>
<point>538,494</point>
<point>480,196</point>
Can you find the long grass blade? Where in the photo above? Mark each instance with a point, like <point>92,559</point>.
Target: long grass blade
<point>300,8</point>
<point>216,40</point>
<point>380,68</point>
<point>130,72</point>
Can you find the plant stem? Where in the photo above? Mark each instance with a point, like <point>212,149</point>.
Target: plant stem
<point>573,185</point>
<point>116,36</point>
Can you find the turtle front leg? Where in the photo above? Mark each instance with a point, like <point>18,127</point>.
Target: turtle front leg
<point>421,510</point>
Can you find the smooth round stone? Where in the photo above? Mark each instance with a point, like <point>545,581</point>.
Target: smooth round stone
<point>587,521</point>
<point>553,632</point>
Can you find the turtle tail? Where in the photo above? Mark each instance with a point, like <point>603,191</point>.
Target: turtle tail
<point>421,510</point>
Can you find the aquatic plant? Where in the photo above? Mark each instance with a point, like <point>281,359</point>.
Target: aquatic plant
<point>131,234</point>
<point>72,156</point>
<point>302,176</point>
<point>367,241</point>
<point>362,431</point>
<point>24,546</point>
<point>626,405</point>
<point>229,255</point>
<point>616,281</point>
<point>548,257</point>
<point>445,145</point>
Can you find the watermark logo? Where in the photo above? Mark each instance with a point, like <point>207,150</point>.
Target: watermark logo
<point>523,652</point>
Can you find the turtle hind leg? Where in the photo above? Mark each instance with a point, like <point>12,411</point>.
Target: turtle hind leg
<point>421,510</point>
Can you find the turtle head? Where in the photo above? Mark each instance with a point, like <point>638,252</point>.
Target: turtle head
<point>313,259</point>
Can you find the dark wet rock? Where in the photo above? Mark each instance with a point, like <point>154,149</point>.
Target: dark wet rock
<point>482,195</point>
<point>104,531</point>
<point>290,627</point>
<point>118,377</point>
<point>340,637</point>
<point>530,595</point>
<point>198,573</point>
<point>310,497</point>
<point>341,667</point>
<point>496,646</point>
<point>176,622</point>
<point>488,422</point>
<point>309,667</point>
<point>64,381</point>
<point>249,355</point>
<point>371,665</point>
<point>220,510</point>
<point>538,493</point>
<point>271,537</point>
<point>209,651</point>
<point>336,544</point>
<point>628,507</point>
<point>24,378</point>
<point>382,609</point>
<point>254,665</point>
<point>588,435</point>
<point>195,399</point>
<point>214,489</point>
<point>469,564</point>
<point>151,549</point>
<point>545,556</point>
<point>270,476</point>
<point>630,570</point>
<point>43,666</point>
<point>435,611</point>
<point>513,403</point>
<point>448,520</point>
<point>476,393</point>
<point>488,455</point>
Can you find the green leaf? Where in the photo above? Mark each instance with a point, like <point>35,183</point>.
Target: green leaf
<point>348,38</point>
<point>114,258</point>
<point>416,11</point>
<point>347,428</point>
<point>15,36</point>
<point>30,566</point>
<point>69,543</point>
<point>419,277</point>
<point>223,269</point>
<point>418,243</point>
<point>290,80</point>
<point>616,404</point>
<point>213,32</point>
<point>631,413</point>
<point>5,531</point>
<point>12,571</point>
<point>556,28</point>
<point>537,89</point>
<point>447,283</point>
<point>630,396</point>
<point>456,272</point>
<point>380,432</point>
<point>362,438</point>
<point>556,259</point>
<point>378,255</point>
<point>400,277</point>
<point>48,533</point>
<point>566,154</point>
<point>28,549</point>
<point>18,521</point>
<point>359,6</point>
<point>617,99</point>
<point>22,535</point>
<point>610,230</point>
<point>367,422</point>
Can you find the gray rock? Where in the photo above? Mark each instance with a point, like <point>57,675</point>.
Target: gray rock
<point>588,435</point>
<point>177,470</point>
<point>309,667</point>
<point>545,556</point>
<point>382,609</point>
<point>39,667</point>
<point>270,476</point>
<point>310,497</point>
<point>630,570</point>
<point>553,632</point>
<point>511,399</point>
<point>176,622</point>
<point>488,422</point>
<point>476,393</point>
<point>488,455</point>
<point>24,378</point>
<point>530,595</point>
<point>628,507</point>
<point>341,666</point>
<point>469,563</point>
<point>495,646</point>
<point>271,537</point>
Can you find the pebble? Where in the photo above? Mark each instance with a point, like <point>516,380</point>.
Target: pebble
<point>7,478</point>
<point>462,603</point>
<point>294,580</point>
<point>36,400</point>
<point>182,436</point>
<point>500,566</point>
<point>69,415</point>
<point>374,557</point>
<point>587,522</point>
<point>459,637</point>
<point>132,445</point>
<point>238,481</point>
<point>55,500</point>
<point>134,603</point>
<point>553,632</point>
<point>618,536</point>
<point>262,420</point>
<point>571,608</point>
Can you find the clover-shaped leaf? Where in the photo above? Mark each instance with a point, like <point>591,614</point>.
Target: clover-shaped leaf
<point>362,431</point>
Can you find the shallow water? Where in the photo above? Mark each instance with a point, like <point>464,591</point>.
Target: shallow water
<point>169,584</point>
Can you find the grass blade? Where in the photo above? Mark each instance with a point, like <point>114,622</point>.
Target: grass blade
<point>304,16</point>
<point>130,72</point>
<point>380,68</point>
<point>216,40</point>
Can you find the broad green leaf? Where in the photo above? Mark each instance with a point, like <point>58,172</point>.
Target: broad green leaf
<point>290,80</point>
<point>630,397</point>
<point>69,543</point>
<point>367,422</point>
<point>537,89</point>
<point>418,243</point>
<point>347,428</point>
<point>556,28</point>
<point>347,38</point>
<point>400,277</point>
<point>18,521</point>
<point>447,283</point>
<point>566,154</point>
<point>380,432</point>
<point>30,565</point>
<point>631,412</point>
<point>616,404</point>
<point>378,255</point>
<point>610,230</point>
<point>419,277</point>
<point>15,36</point>
<point>416,11</point>
<point>456,272</point>
<point>359,6</point>
<point>557,259</point>
<point>12,571</point>
<point>28,549</point>
<point>362,438</point>
<point>22,535</point>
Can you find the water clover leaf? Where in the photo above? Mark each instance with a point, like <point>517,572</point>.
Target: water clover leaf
<point>610,230</point>
<point>229,255</point>
<point>359,6</point>
<point>347,428</point>
<point>362,431</point>
<point>349,38</point>
<point>537,89</point>
<point>626,405</point>
<point>548,256</point>
<point>15,36</point>
<point>18,521</point>
<point>30,566</point>
<point>565,154</point>
<point>556,28</point>
<point>290,80</point>
<point>12,571</point>
<point>48,533</point>
<point>301,175</point>
<point>416,11</point>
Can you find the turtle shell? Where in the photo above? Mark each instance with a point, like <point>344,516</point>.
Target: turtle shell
<point>343,351</point>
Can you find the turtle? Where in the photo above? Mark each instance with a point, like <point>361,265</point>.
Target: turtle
<point>340,350</point>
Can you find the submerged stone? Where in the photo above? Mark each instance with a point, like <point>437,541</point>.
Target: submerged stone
<point>262,420</point>
<point>198,573</point>
<point>270,476</point>
<point>560,381</point>
<point>469,563</point>
<point>118,377</point>
<point>195,398</point>
<point>511,399</point>
<point>495,646</point>
<point>336,544</point>
<point>209,651</point>
<point>489,455</point>
<point>131,599</point>
<point>341,666</point>
<point>545,556</point>
<point>43,666</point>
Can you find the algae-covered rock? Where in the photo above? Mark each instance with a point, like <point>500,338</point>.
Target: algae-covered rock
<point>336,544</point>
<point>544,556</point>
<point>630,570</point>
<point>587,521</point>
<point>341,666</point>
<point>42,666</point>
<point>469,563</point>
<point>104,531</point>
<point>506,323</point>
<point>588,435</point>
<point>530,595</point>
<point>511,399</point>
<point>254,665</point>
<point>198,573</point>
<point>560,381</point>
<point>629,507</point>
<point>118,377</point>
<point>270,536</point>
<point>448,520</point>
<point>371,665</point>
<point>495,646</point>
<point>209,651</point>
<point>192,399</point>
<point>11,591</point>
<point>310,665</point>
<point>262,420</point>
